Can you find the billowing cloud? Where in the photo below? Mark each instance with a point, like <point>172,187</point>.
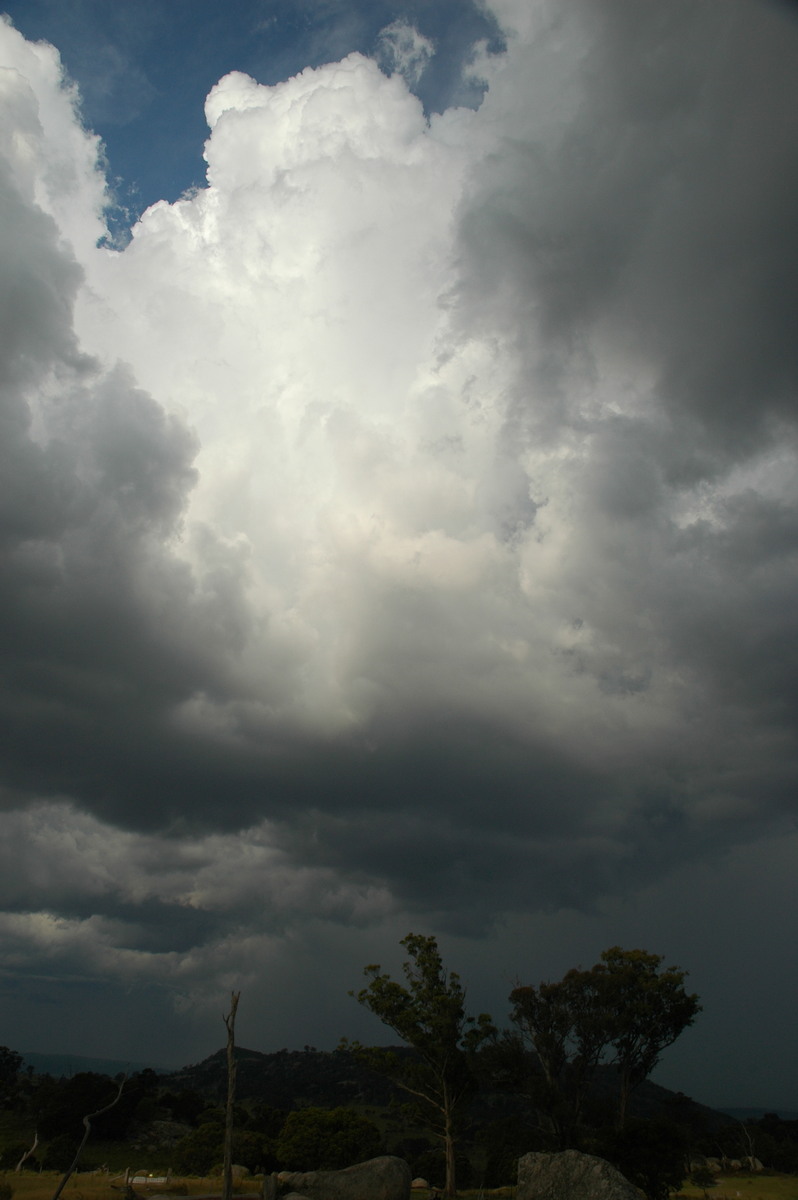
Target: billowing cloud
<point>404,49</point>
<point>404,522</point>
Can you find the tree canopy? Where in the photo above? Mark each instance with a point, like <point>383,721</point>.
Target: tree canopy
<point>623,1011</point>
<point>428,1013</point>
<point>329,1138</point>
<point>647,1008</point>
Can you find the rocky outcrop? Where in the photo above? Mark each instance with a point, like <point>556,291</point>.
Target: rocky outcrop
<point>571,1176</point>
<point>385,1178</point>
<point>716,1165</point>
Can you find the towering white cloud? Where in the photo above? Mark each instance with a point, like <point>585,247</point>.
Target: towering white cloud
<point>418,495</point>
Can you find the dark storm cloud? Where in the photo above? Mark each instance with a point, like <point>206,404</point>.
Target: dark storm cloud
<point>661,210</point>
<point>101,628</point>
<point>474,594</point>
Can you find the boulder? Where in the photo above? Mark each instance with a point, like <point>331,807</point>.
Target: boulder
<point>385,1178</point>
<point>419,1183</point>
<point>571,1176</point>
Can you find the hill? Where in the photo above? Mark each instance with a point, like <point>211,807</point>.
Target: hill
<point>64,1066</point>
<point>289,1078</point>
<point>329,1079</point>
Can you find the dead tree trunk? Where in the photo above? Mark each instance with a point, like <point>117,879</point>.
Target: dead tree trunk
<point>28,1153</point>
<point>230,1022</point>
<point>87,1120</point>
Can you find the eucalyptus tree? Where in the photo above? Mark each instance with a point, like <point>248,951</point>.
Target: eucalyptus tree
<point>647,1008</point>
<point>624,1011</point>
<point>428,1013</point>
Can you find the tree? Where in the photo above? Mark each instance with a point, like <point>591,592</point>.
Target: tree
<point>565,1025</point>
<point>651,1154</point>
<point>27,1153</point>
<point>10,1063</point>
<point>326,1139</point>
<point>428,1013</point>
<point>230,1023</point>
<point>647,1008</point>
<point>624,1011</point>
<point>199,1150</point>
<point>59,1104</point>
<point>87,1120</point>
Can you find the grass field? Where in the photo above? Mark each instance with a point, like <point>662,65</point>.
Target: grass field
<point>88,1186</point>
<point>746,1187</point>
<point>35,1185</point>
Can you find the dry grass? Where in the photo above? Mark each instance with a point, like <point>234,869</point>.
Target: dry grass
<point>35,1185</point>
<point>746,1187</point>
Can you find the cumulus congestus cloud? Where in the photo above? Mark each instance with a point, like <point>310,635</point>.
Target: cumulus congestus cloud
<point>415,502</point>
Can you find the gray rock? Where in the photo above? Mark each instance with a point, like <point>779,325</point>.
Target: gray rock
<point>571,1176</point>
<point>385,1178</point>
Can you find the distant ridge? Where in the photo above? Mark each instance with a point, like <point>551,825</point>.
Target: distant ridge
<point>326,1079</point>
<point>64,1066</point>
<point>756,1114</point>
<point>293,1078</point>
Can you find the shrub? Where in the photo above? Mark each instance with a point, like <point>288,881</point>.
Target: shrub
<point>326,1139</point>
<point>59,1153</point>
<point>649,1153</point>
<point>196,1153</point>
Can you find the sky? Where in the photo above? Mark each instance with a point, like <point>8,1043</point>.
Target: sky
<point>397,514</point>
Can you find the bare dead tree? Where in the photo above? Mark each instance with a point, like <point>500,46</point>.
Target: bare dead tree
<point>87,1120</point>
<point>28,1153</point>
<point>230,1022</point>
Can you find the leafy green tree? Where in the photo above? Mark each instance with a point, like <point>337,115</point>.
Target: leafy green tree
<point>197,1152</point>
<point>500,1144</point>
<point>703,1177</point>
<point>10,1065</point>
<point>624,1011</point>
<point>266,1119</point>
<point>185,1105</point>
<point>59,1153</point>
<point>326,1139</point>
<point>651,1154</point>
<point>255,1151</point>
<point>647,1008</point>
<point>565,1025</point>
<point>63,1102</point>
<point>428,1013</point>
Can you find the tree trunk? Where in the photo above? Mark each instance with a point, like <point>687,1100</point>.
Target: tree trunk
<point>230,1022</point>
<point>87,1120</point>
<point>450,1187</point>
<point>623,1098</point>
<point>28,1153</point>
